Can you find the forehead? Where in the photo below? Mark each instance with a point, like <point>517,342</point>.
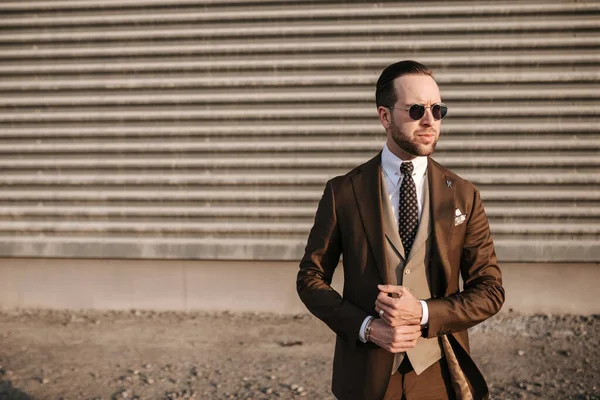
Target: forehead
<point>416,89</point>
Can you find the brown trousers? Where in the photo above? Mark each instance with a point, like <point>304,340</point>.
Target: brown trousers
<point>433,384</point>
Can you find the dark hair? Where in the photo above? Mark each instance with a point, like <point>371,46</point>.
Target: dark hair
<point>385,95</point>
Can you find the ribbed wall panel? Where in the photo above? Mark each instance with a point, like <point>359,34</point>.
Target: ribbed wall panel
<point>204,129</point>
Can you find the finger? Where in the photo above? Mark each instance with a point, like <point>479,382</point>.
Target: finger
<point>386,316</point>
<point>390,288</point>
<point>384,298</point>
<point>404,341</point>
<point>388,312</point>
<point>406,337</point>
<point>413,336</point>
<point>409,329</point>
<point>404,346</point>
<point>393,302</point>
<point>404,291</point>
<point>385,305</point>
<point>401,347</point>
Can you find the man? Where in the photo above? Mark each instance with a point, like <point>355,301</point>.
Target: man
<point>407,228</point>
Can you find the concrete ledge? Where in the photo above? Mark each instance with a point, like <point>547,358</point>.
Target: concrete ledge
<point>272,250</point>
<point>256,286</point>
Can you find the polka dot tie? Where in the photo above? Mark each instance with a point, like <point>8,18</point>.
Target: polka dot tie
<point>408,212</point>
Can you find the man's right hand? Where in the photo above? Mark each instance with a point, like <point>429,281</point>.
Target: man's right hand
<point>396,339</point>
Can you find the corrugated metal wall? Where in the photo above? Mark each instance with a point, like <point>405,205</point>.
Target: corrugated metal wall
<point>206,129</point>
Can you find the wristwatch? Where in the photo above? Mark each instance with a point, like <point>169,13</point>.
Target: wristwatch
<point>368,329</point>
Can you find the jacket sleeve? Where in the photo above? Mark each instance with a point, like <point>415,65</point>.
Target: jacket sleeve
<point>482,295</point>
<point>313,283</point>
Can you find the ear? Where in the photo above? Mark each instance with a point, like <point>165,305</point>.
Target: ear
<point>385,116</point>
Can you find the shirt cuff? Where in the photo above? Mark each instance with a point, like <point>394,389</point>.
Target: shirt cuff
<point>361,332</point>
<point>425,317</point>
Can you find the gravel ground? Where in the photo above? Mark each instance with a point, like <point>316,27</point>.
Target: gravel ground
<point>149,355</point>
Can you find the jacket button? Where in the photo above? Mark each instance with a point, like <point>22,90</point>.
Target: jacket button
<point>407,272</point>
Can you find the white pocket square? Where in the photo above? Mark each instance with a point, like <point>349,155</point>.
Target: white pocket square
<point>459,217</point>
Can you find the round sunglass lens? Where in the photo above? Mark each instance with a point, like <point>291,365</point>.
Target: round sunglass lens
<point>436,111</point>
<point>416,111</point>
<point>439,111</point>
<point>443,111</point>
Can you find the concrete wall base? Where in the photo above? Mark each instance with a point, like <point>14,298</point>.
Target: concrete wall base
<point>246,286</point>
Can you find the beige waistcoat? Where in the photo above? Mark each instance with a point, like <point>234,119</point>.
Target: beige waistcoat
<point>412,274</point>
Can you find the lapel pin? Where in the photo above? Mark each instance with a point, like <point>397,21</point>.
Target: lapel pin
<point>448,183</point>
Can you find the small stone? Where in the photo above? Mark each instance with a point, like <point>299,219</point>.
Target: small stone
<point>269,391</point>
<point>529,388</point>
<point>149,381</point>
<point>45,380</point>
<point>136,372</point>
<point>294,387</point>
<point>300,389</point>
<point>147,366</point>
<point>272,377</point>
<point>521,353</point>
<point>125,395</point>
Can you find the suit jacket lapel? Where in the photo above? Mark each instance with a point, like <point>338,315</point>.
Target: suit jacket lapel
<point>389,222</point>
<point>366,183</point>
<point>441,191</point>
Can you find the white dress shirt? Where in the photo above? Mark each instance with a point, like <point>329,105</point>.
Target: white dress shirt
<point>390,167</point>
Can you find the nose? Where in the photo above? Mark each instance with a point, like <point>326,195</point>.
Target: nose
<point>427,119</point>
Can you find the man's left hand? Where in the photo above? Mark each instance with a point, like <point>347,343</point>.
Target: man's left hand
<point>402,309</point>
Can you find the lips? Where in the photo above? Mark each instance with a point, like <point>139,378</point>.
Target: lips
<point>429,136</point>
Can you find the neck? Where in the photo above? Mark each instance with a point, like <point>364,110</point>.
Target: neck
<point>398,152</point>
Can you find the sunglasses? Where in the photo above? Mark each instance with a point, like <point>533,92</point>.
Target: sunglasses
<point>416,111</point>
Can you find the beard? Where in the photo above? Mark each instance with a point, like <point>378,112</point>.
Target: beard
<point>410,144</point>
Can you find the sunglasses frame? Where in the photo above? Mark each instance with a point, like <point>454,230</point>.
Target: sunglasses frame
<point>424,108</point>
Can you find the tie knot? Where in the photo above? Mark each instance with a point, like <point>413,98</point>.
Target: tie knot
<point>407,168</point>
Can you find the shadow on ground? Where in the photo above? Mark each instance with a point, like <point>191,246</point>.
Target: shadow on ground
<point>8,392</point>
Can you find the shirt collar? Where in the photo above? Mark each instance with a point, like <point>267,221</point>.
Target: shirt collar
<point>391,165</point>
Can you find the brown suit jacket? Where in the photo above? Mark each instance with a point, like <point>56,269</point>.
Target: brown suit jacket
<point>349,222</point>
